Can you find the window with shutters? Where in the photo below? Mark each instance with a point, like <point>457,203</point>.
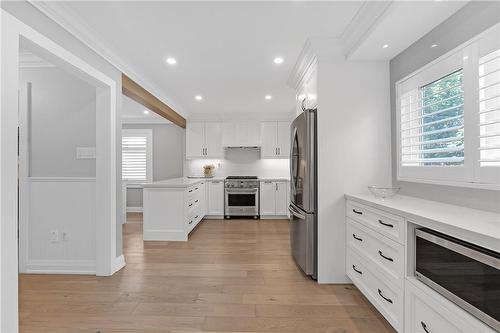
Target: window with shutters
<point>137,155</point>
<point>448,117</point>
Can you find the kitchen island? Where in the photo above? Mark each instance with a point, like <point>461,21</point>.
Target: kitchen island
<point>173,208</point>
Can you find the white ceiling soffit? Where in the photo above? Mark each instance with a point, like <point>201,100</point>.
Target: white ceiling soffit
<point>398,25</point>
<point>61,13</point>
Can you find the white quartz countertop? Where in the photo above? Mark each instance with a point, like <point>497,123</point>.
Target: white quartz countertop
<point>180,182</point>
<point>183,182</point>
<point>472,225</point>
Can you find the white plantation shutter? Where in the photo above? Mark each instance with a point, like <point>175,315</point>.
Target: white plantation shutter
<point>136,155</point>
<point>448,117</point>
<point>489,109</point>
<point>432,123</point>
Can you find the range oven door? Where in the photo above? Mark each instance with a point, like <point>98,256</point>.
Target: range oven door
<point>241,202</point>
<point>464,273</point>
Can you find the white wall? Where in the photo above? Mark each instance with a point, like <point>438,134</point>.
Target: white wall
<point>40,22</point>
<point>354,145</point>
<point>62,119</point>
<point>240,162</point>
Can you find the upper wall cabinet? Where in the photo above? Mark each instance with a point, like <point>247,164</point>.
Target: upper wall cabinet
<point>275,139</point>
<point>204,140</point>
<point>241,134</point>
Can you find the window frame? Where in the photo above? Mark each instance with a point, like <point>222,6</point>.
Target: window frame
<point>148,133</point>
<point>465,57</point>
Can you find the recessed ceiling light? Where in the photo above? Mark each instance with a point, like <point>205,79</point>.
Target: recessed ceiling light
<point>434,45</point>
<point>171,61</point>
<point>278,60</point>
<point>145,112</point>
<point>385,46</point>
<point>198,97</point>
<point>268,97</point>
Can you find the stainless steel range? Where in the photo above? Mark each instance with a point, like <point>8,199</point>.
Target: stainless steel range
<point>241,196</point>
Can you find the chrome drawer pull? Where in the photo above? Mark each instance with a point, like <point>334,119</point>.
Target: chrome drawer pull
<point>190,191</point>
<point>196,201</point>
<point>356,212</point>
<point>357,238</point>
<point>386,224</point>
<point>190,221</point>
<point>196,216</point>
<point>424,326</point>
<point>387,299</point>
<point>190,205</point>
<point>357,271</point>
<point>382,255</point>
<point>195,188</point>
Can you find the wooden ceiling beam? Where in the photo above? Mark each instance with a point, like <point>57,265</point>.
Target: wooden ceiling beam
<point>133,90</point>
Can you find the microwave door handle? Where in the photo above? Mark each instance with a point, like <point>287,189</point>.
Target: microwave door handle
<point>296,213</point>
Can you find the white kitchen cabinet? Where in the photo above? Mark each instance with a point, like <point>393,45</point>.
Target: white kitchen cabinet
<point>275,137</point>
<point>282,198</point>
<point>204,140</point>
<point>267,198</point>
<point>241,134</point>
<point>215,198</point>
<point>273,198</point>
<point>283,134</point>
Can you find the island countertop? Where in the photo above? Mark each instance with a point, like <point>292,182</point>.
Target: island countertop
<point>181,182</point>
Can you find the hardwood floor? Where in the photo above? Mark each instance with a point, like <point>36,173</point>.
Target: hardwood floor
<point>232,276</point>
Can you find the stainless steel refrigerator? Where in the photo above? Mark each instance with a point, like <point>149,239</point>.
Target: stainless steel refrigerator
<point>303,192</point>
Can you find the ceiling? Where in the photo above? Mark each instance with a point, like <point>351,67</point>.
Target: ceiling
<point>134,113</point>
<point>225,50</point>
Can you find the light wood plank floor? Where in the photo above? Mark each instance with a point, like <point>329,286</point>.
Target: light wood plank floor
<point>232,276</point>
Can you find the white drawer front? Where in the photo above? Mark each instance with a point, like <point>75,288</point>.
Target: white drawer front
<point>387,224</point>
<point>424,312</point>
<point>380,251</point>
<point>386,298</point>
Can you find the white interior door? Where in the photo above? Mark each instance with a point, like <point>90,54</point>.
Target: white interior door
<point>195,139</point>
<point>267,198</point>
<point>269,139</point>
<point>283,137</point>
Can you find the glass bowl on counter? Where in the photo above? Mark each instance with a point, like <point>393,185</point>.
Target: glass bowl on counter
<point>383,192</point>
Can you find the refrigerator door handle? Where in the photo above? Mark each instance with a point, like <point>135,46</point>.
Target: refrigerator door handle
<point>296,213</point>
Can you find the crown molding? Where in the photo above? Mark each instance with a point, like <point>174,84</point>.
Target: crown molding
<point>306,61</point>
<point>362,24</point>
<point>62,15</point>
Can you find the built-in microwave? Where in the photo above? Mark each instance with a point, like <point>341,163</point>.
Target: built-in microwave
<point>464,273</point>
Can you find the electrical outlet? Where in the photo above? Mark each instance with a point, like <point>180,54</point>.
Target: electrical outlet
<point>54,236</point>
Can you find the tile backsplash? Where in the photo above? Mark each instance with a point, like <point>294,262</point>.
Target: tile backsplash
<point>239,162</point>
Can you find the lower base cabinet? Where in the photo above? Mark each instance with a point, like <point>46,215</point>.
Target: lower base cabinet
<point>376,264</point>
<point>426,311</point>
<point>215,198</point>
<point>273,198</point>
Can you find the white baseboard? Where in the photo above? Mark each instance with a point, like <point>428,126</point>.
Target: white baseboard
<point>118,264</point>
<point>134,209</point>
<point>83,267</point>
